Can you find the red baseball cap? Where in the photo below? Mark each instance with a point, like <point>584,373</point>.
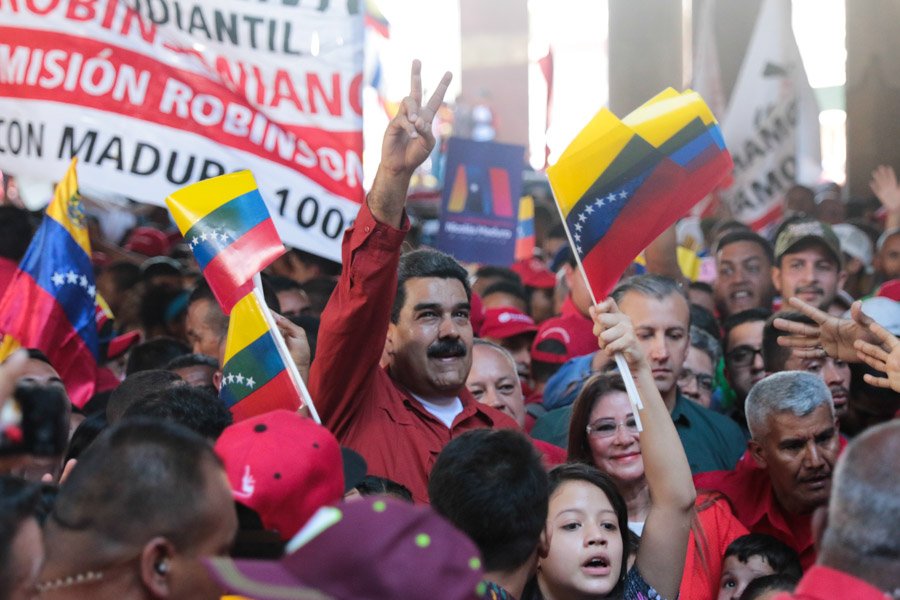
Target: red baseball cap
<point>369,549</point>
<point>534,273</point>
<point>147,241</point>
<point>551,346</point>
<point>283,466</point>
<point>890,289</point>
<point>506,322</point>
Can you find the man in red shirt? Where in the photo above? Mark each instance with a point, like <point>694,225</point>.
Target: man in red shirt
<point>787,475</point>
<point>858,536</point>
<point>398,418</point>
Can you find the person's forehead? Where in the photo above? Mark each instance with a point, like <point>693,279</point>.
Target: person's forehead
<point>490,363</point>
<point>740,250</point>
<point>785,424</point>
<point>749,333</point>
<point>698,360</point>
<point>612,403</point>
<point>38,369</point>
<point>648,311</point>
<point>434,290</point>
<point>808,250</point>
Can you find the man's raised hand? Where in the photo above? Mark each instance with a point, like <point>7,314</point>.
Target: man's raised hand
<point>615,334</point>
<point>883,356</point>
<point>831,336</point>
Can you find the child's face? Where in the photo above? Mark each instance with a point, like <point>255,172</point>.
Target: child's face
<point>736,575</point>
<point>584,544</point>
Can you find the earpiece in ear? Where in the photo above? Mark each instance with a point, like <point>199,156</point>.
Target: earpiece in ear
<point>161,567</point>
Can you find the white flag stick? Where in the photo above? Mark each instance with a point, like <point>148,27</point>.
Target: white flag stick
<point>283,351</point>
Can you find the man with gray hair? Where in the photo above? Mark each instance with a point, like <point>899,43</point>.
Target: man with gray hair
<point>787,472</point>
<point>859,539</point>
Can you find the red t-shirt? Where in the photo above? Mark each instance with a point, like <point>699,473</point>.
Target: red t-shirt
<point>824,583</point>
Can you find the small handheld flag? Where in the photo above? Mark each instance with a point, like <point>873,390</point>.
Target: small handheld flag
<point>255,376</point>
<point>50,302</point>
<point>621,183</point>
<point>229,229</point>
<point>525,229</point>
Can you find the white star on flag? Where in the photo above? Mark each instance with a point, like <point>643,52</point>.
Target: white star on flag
<point>92,291</point>
<point>194,241</point>
<point>203,237</point>
<point>229,378</point>
<point>599,202</point>
<point>58,279</point>
<point>577,237</point>
<point>611,197</point>
<point>71,277</point>
<point>578,247</point>
<point>578,226</point>
<point>223,237</point>
<point>623,195</point>
<point>83,282</point>
<point>250,383</point>
<point>589,209</point>
<point>239,378</point>
<point>582,217</point>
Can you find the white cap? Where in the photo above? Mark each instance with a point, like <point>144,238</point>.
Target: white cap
<point>884,311</point>
<point>854,242</point>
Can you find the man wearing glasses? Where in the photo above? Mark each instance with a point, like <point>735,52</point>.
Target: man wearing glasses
<point>743,334</point>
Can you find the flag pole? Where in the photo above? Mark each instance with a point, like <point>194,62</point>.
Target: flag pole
<point>283,351</point>
<point>621,363</point>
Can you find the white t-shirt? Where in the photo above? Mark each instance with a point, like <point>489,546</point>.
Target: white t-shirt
<point>637,527</point>
<point>445,412</point>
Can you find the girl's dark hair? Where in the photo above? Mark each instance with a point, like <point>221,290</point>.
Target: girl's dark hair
<point>588,474</point>
<point>594,388</point>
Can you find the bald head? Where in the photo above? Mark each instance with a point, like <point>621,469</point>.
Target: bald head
<point>863,532</point>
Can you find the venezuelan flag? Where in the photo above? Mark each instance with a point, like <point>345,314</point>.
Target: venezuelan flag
<point>227,224</point>
<point>254,378</point>
<point>525,229</point>
<point>375,19</point>
<point>51,302</point>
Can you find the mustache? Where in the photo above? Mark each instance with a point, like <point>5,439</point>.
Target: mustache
<point>813,289</point>
<point>447,348</point>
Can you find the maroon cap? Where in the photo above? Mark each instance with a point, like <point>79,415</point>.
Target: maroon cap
<point>120,344</point>
<point>147,241</point>
<point>534,273</point>
<point>368,549</point>
<point>551,346</point>
<point>890,289</point>
<point>283,466</point>
<point>506,322</point>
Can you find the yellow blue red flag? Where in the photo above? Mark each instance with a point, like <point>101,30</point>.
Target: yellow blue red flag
<point>255,379</point>
<point>50,303</point>
<point>227,224</point>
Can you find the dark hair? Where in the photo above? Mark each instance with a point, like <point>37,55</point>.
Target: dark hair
<point>19,500</point>
<point>506,287</point>
<point>16,230</point>
<point>35,354</point>
<point>372,485</point>
<point>196,408</point>
<point>492,486</point>
<point>705,321</point>
<point>86,432</point>
<point>745,316</point>
<point>184,361</point>
<point>154,354</point>
<point>144,468</point>
<point>590,474</point>
<point>426,263</point>
<point>125,275</point>
<point>594,388</point>
<point>745,235</point>
<point>701,286</point>
<point>327,267</point>
<point>499,273</point>
<point>319,290</point>
<point>159,306</point>
<point>283,284</point>
<point>137,386</point>
<point>775,356</point>
<point>776,582</point>
<point>776,553</point>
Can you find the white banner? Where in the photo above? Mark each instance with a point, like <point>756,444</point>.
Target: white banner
<point>771,126</point>
<point>153,95</point>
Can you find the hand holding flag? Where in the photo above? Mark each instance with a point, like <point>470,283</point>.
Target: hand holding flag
<point>229,229</point>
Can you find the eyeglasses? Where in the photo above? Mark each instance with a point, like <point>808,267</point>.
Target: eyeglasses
<point>607,427</point>
<point>704,381</point>
<point>743,356</point>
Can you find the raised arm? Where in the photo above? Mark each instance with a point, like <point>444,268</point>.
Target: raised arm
<point>663,548</point>
<point>884,186</point>
<point>832,336</point>
<point>407,143</point>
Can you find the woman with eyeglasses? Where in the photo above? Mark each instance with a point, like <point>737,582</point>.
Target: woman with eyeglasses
<point>603,433</point>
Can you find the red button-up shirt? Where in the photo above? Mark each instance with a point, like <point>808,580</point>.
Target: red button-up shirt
<point>749,491</point>
<point>823,583</point>
<point>360,402</point>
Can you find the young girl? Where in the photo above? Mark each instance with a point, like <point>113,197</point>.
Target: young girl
<point>583,552</point>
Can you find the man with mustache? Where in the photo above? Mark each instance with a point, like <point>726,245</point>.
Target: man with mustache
<point>792,450</point>
<point>833,371</point>
<point>415,308</point>
<point>808,263</point>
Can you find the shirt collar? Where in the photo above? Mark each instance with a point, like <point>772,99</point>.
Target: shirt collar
<point>679,413</point>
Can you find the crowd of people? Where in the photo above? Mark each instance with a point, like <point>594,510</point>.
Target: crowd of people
<point>478,438</point>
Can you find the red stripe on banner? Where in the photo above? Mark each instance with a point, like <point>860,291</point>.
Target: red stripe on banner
<point>767,219</point>
<point>230,271</point>
<point>500,192</point>
<point>35,319</point>
<point>278,393</point>
<point>185,101</point>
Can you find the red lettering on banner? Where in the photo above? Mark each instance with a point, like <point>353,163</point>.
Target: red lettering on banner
<point>81,10</point>
<point>284,89</point>
<point>32,6</point>
<point>314,84</point>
